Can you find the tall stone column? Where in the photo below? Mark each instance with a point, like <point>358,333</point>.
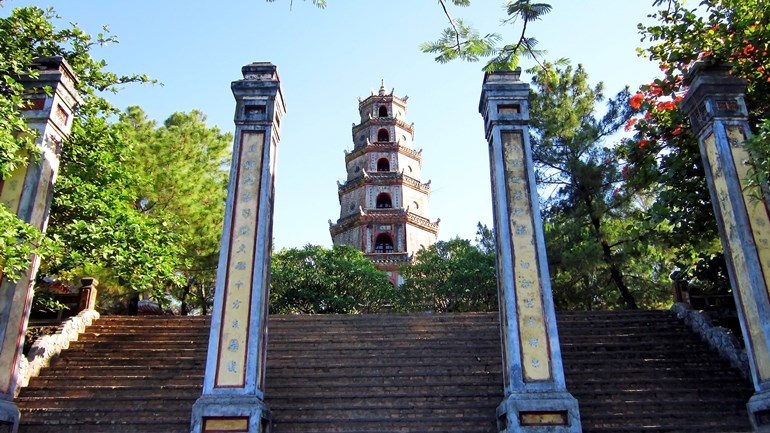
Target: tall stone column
<point>717,110</point>
<point>53,100</point>
<point>233,387</point>
<point>536,397</point>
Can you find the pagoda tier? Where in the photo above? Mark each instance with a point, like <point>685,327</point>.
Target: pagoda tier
<point>383,202</point>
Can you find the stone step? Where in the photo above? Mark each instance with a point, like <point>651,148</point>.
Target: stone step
<point>145,391</point>
<point>657,371</point>
<point>353,390</point>
<point>631,371</point>
<point>67,360</point>
<point>121,346</point>
<point>110,370</point>
<point>106,427</point>
<point>117,403</point>
<point>686,426</point>
<point>404,370</point>
<point>199,337</point>
<point>98,415</point>
<point>63,383</point>
<point>435,425</point>
<point>374,380</point>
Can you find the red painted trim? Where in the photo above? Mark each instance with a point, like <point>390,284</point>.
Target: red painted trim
<point>229,256</point>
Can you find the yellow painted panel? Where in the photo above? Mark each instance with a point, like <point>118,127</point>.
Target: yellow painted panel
<point>22,294</point>
<point>217,425</point>
<point>748,299</point>
<point>755,208</point>
<point>235,317</point>
<point>543,418</point>
<point>533,335</point>
<point>10,195</point>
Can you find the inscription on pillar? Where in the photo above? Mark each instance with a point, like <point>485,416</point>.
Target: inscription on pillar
<point>237,303</point>
<point>533,335</point>
<point>760,224</point>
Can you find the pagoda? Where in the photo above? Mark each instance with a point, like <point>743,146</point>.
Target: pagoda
<point>383,202</point>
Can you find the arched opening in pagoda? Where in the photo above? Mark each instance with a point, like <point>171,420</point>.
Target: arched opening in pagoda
<point>383,164</point>
<point>383,135</point>
<point>384,201</point>
<point>383,111</point>
<point>384,243</point>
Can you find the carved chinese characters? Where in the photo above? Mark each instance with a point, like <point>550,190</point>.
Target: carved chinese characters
<point>533,336</point>
<point>235,319</point>
<point>760,228</point>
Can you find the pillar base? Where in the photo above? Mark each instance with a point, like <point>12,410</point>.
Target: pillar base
<point>539,412</point>
<point>217,413</point>
<point>759,411</point>
<point>9,417</point>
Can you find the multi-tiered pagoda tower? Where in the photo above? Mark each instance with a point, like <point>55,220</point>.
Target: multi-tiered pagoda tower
<point>383,203</point>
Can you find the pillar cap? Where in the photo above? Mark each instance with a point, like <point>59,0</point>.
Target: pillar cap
<point>711,80</point>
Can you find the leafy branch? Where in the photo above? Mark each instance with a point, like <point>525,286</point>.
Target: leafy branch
<point>321,4</point>
<point>462,41</point>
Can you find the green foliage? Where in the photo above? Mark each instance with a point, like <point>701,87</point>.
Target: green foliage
<point>451,276</point>
<point>18,241</point>
<point>664,155</point>
<point>597,254</point>
<point>463,42</point>
<point>758,147</point>
<point>26,34</point>
<point>314,280</point>
<point>46,301</point>
<point>460,41</point>
<point>94,218</point>
<point>183,165</point>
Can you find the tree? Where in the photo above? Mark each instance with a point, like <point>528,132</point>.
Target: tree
<point>315,280</point>
<point>28,33</point>
<point>593,234</point>
<point>321,4</point>
<point>184,166</point>
<point>451,276</point>
<point>663,155</point>
<point>94,220</point>
<point>460,41</point>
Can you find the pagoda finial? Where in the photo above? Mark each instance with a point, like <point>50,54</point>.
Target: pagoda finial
<point>382,87</point>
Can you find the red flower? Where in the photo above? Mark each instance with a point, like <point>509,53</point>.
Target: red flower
<point>636,101</point>
<point>630,123</point>
<point>666,105</point>
<point>642,143</point>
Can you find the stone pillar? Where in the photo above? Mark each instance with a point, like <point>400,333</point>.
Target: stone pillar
<point>536,397</point>
<point>88,293</point>
<point>53,99</point>
<point>233,387</point>
<point>717,110</point>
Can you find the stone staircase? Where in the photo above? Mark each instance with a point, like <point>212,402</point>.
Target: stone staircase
<point>630,371</point>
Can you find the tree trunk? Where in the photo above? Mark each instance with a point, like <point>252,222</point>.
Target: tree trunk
<point>615,274</point>
<point>185,293</point>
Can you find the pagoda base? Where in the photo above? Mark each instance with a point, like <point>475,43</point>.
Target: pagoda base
<point>218,413</point>
<point>539,412</point>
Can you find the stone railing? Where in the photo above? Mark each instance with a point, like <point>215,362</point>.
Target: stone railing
<point>718,338</point>
<point>48,346</point>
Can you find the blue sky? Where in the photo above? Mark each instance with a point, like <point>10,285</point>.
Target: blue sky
<point>326,60</point>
